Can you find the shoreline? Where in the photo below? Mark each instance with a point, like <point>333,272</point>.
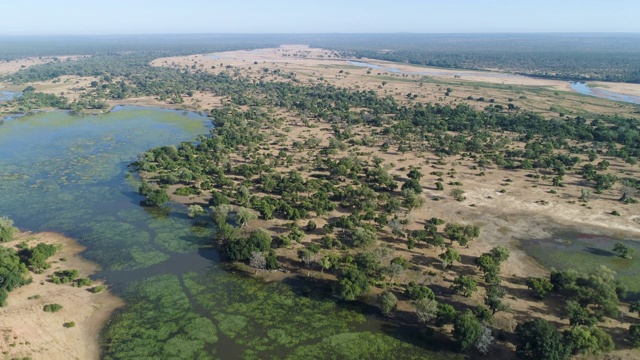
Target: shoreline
<point>28,331</point>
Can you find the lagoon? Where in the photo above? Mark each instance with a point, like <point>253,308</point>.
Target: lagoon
<point>65,173</point>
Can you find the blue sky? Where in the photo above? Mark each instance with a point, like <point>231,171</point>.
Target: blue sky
<point>22,17</point>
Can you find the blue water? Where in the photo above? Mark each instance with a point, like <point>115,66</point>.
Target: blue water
<point>583,88</point>
<point>8,95</point>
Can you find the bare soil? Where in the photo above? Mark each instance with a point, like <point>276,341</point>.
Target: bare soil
<point>26,331</point>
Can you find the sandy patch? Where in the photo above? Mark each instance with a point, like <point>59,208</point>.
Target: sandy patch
<point>9,67</point>
<point>27,331</point>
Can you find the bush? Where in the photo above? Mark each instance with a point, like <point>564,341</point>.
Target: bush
<point>156,197</point>
<point>311,225</point>
<point>187,191</point>
<point>82,282</point>
<point>52,308</point>
<point>98,289</point>
<point>417,292</point>
<point>388,302</point>
<point>458,194</point>
<point>6,229</point>
<point>69,324</point>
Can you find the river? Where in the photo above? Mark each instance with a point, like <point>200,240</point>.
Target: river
<point>68,174</point>
<point>581,87</point>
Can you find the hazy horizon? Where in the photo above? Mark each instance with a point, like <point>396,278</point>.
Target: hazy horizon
<point>146,17</point>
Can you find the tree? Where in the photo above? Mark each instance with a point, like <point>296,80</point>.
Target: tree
<point>634,334</point>
<point>446,314</point>
<point>245,215</point>
<point>588,340</point>
<point>220,214</point>
<point>464,285</point>
<point>635,307</point>
<point>494,297</point>
<point>257,261</point>
<point>6,229</point>
<point>467,329</point>
<point>484,341</point>
<point>426,309</point>
<point>417,292</point>
<point>351,283</point>
<point>363,237</point>
<point>500,254</point>
<point>577,314</point>
<point>449,256</point>
<point>538,339</point>
<point>388,302</point>
<point>540,286</point>
<point>415,174</point>
<point>394,269</point>
<point>622,250</point>
<point>156,197</point>
<point>194,211</point>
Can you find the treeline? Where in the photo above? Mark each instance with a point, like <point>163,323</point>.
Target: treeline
<point>606,57</point>
<point>572,66</point>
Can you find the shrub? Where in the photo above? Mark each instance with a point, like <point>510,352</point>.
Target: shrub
<point>98,289</point>
<point>458,194</point>
<point>388,302</point>
<point>82,282</point>
<point>52,308</point>
<point>6,229</point>
<point>69,324</point>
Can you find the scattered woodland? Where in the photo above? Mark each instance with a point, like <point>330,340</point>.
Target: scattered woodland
<point>297,175</point>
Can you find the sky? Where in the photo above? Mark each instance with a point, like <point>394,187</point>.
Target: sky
<point>57,17</point>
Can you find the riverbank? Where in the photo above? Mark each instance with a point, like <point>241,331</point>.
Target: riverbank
<point>29,332</point>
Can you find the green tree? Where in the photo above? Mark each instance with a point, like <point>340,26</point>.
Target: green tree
<point>464,285</point>
<point>363,237</point>
<point>244,216</point>
<point>634,335</point>
<point>538,339</point>
<point>220,214</point>
<point>540,286</point>
<point>467,329</point>
<point>417,292</point>
<point>585,340</point>
<point>446,314</point>
<point>6,229</point>
<point>194,211</point>
<point>577,314</point>
<point>622,250</point>
<point>157,197</point>
<point>449,256</point>
<point>500,254</point>
<point>426,309</point>
<point>388,302</point>
<point>351,283</point>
